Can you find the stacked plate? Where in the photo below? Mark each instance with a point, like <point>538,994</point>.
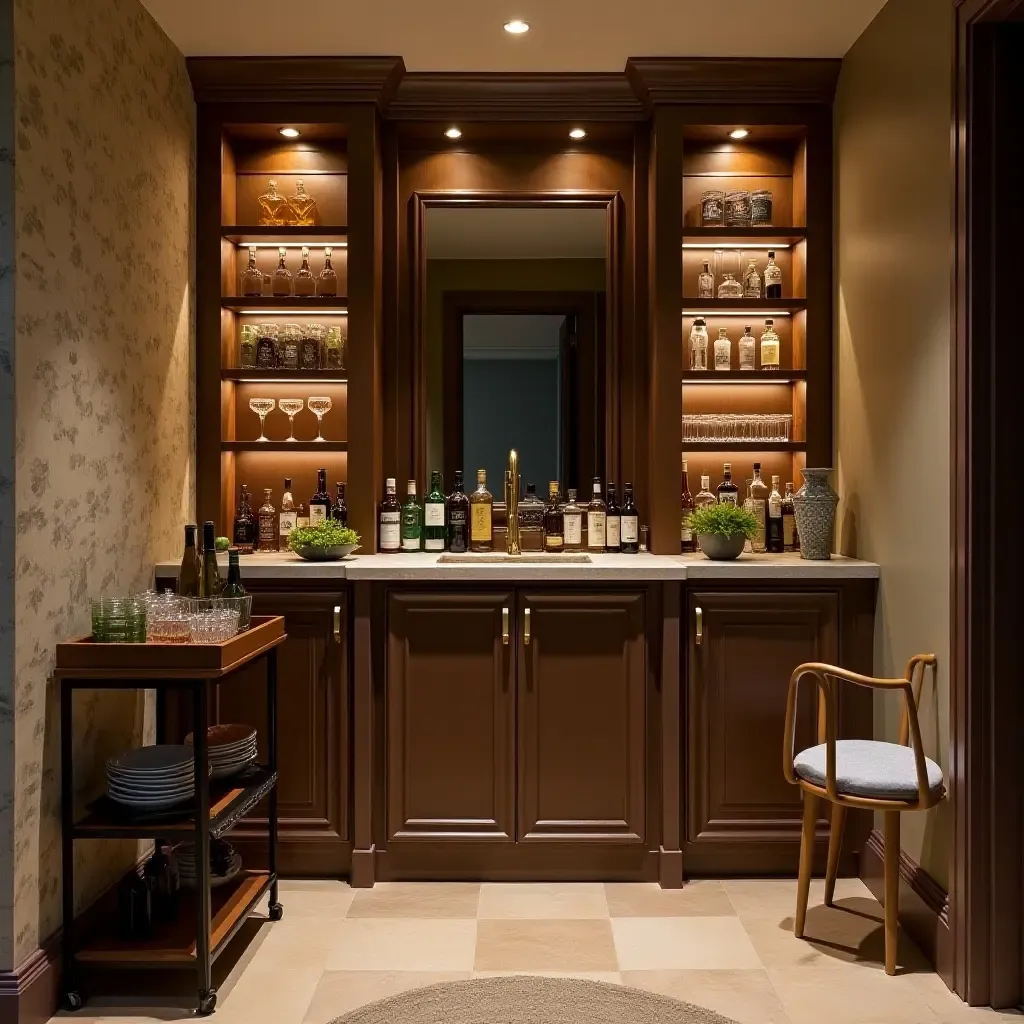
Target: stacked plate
<point>225,863</point>
<point>152,778</point>
<point>231,748</point>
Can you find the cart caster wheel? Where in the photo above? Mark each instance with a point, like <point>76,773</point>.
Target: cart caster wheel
<point>73,1001</point>
<point>207,1001</point>
<point>276,911</point>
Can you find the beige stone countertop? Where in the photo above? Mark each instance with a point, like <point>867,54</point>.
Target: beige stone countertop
<point>540,568</point>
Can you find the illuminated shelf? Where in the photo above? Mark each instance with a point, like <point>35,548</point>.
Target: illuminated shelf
<point>744,446</point>
<point>287,305</point>
<point>726,307</point>
<point>768,238</point>
<point>284,446</point>
<point>743,376</point>
<point>260,376</point>
<point>251,234</point>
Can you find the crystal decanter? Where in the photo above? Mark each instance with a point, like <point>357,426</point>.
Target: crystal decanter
<point>303,207</point>
<point>273,207</point>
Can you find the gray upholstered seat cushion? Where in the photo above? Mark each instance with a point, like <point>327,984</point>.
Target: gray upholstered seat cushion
<point>869,768</point>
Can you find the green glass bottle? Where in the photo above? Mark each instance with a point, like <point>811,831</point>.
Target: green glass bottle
<point>233,587</point>
<point>210,583</point>
<point>412,521</point>
<point>191,566</point>
<point>433,515</point>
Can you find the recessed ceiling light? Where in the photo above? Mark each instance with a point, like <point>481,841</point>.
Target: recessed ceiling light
<point>516,27</point>
<point>738,133</point>
<point>577,133</point>
<point>290,133</point>
<point>453,133</point>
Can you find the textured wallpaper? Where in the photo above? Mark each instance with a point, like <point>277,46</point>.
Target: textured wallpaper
<point>104,384</point>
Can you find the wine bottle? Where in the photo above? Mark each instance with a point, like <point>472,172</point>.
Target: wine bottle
<point>233,587</point>
<point>191,566</point>
<point>629,531</point>
<point>320,503</point>
<point>340,511</point>
<point>433,515</point>
<point>390,520</point>
<point>458,516</point>
<point>210,583</point>
<point>613,523</point>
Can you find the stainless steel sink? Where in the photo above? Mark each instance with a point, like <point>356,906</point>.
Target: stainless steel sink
<point>498,559</point>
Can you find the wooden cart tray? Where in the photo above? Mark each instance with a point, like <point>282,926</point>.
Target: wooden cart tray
<point>83,658</point>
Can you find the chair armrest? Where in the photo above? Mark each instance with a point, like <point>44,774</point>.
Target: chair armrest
<point>820,674</point>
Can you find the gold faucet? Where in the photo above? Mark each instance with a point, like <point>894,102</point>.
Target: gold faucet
<point>512,505</point>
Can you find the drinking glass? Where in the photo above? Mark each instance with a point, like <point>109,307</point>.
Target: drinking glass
<point>261,406</point>
<point>290,407</point>
<point>319,407</point>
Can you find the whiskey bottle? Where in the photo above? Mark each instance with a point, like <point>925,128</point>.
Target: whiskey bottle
<point>481,509</point>
<point>305,282</point>
<point>554,520</point>
<point>390,520</point>
<point>210,583</point>
<point>433,515</point>
<point>747,349</point>
<point>286,520</point>
<point>273,207</point>
<point>790,541</point>
<point>412,519</point>
<point>531,520</point>
<point>613,524</point>
<point>759,499</point>
<point>281,283</point>
<point>458,516</point>
<point>687,541</point>
<point>268,527</point>
<point>775,540</point>
<point>252,279</point>
<point>597,519</point>
<point>704,495</point>
<point>769,347</point>
<point>699,344</point>
<point>302,207</point>
<point>706,283</point>
<point>320,503</point>
<point>339,511</point>
<point>723,350</point>
<point>749,506</point>
<point>772,278</point>
<point>630,530</point>
<point>728,492</point>
<point>572,516</point>
<point>266,346</point>
<point>192,566</point>
<point>248,338</point>
<point>751,282</point>
<point>327,282</point>
<point>245,525</point>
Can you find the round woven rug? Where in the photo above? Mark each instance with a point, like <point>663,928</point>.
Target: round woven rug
<point>523,999</point>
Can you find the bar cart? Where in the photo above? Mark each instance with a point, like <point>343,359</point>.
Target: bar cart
<point>206,921</point>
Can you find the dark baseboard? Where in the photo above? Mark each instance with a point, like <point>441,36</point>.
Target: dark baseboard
<point>29,993</point>
<point>924,904</point>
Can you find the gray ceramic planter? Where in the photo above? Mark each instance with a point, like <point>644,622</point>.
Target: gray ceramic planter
<point>720,547</point>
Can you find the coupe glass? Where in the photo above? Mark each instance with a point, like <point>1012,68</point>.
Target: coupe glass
<point>319,407</point>
<point>261,406</point>
<point>290,406</point>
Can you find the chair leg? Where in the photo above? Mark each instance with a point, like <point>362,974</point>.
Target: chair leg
<point>806,862</point>
<point>835,845</point>
<point>892,889</point>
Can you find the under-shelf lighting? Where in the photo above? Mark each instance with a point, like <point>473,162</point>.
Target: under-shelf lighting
<point>288,380</point>
<point>577,133</point>
<point>290,133</point>
<point>314,244</point>
<point>453,133</point>
<point>516,27</point>
<point>710,379</point>
<point>739,133</point>
<point>736,243</point>
<point>755,313</point>
<point>307,310</point>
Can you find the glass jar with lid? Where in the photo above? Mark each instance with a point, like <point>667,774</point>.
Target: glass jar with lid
<point>737,209</point>
<point>311,349</point>
<point>248,339</point>
<point>291,339</point>
<point>266,346</point>
<point>761,208</point>
<point>334,347</point>
<point>712,208</point>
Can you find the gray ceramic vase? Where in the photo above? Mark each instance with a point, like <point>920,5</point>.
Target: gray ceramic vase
<point>720,547</point>
<point>815,505</point>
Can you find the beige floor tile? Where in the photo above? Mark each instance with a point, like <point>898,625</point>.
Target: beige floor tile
<point>545,946</point>
<point>746,997</point>
<point>682,943</point>
<point>543,900</point>
<point>269,996</point>
<point>456,900</point>
<point>608,977</point>
<point>340,992</point>
<point>403,945</point>
<point>950,1009</point>
<point>776,897</point>
<point>296,942</point>
<point>648,899</point>
<point>313,899</point>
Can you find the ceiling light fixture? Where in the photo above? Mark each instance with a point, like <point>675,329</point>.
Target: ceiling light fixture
<point>290,133</point>
<point>453,133</point>
<point>577,133</point>
<point>515,27</point>
<point>738,133</point>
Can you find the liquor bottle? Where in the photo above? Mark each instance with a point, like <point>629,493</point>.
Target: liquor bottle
<point>687,541</point>
<point>704,495</point>
<point>273,207</point>
<point>210,583</point>
<point>728,492</point>
<point>327,282</point>
<point>613,524</point>
<point>390,520</point>
<point>706,283</point>
<point>281,283</point>
<point>320,503</point>
<point>730,288</point>
<point>531,520</point>
<point>305,282</point>
<point>311,347</point>
<point>751,282</point>
<point>772,278</point>
<point>750,507</point>
<point>288,347</point>
<point>769,347</point>
<point>191,565</point>
<point>267,516</point>
<point>759,497</point>
<point>233,587</point>
<point>433,514</point>
<point>412,520</point>
<point>699,344</point>
<point>301,517</point>
<point>458,517</point>
<point>334,351</point>
<point>302,207</point>
<point>790,542</point>
<point>481,509</point>
<point>339,511</point>
<point>252,279</point>
<point>245,525</point>
<point>572,518</point>
<point>597,519</point>
<point>286,519</point>
<point>747,348</point>
<point>266,346</point>
<point>554,520</point>
<point>775,539</point>
<point>630,530</point>
<point>248,339</point>
<point>723,350</point>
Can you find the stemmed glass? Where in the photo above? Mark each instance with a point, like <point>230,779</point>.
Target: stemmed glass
<point>319,407</point>
<point>261,406</point>
<point>290,406</point>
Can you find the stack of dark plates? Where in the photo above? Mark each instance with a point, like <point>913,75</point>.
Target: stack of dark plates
<point>225,863</point>
<point>152,778</point>
<point>231,748</point>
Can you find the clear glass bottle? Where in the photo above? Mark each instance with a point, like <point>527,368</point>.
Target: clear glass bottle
<point>412,520</point>
<point>572,517</point>
<point>252,277</point>
<point>247,342</point>
<point>327,282</point>
<point>554,520</point>
<point>481,515</point>
<point>390,520</point>
<point>286,519</point>
<point>531,520</point>
<point>288,346</point>
<point>704,495</point>
<point>281,284</point>
<point>790,541</point>
<point>334,351</point>
<point>772,278</point>
<point>751,282</point>
<point>302,206</point>
<point>266,346</point>
<point>706,283</point>
<point>750,506</point>
<point>311,347</point>
<point>747,350</point>
<point>730,288</point>
<point>775,539</point>
<point>723,350</point>
<point>597,519</point>
<point>728,492</point>
<point>699,344</point>
<point>759,496</point>
<point>268,525</point>
<point>769,347</point>
<point>273,207</point>
<point>305,282</point>
<point>433,514</point>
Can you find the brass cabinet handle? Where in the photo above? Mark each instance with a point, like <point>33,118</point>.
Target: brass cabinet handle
<point>700,626</point>
<point>504,626</point>
<point>337,623</point>
<point>526,628</point>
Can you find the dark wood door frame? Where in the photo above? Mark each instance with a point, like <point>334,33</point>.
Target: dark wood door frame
<point>987,709</point>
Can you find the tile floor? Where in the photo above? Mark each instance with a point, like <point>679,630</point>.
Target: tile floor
<point>725,945</point>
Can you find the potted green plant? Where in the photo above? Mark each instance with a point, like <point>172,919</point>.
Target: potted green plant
<point>326,542</point>
<point>722,530</point>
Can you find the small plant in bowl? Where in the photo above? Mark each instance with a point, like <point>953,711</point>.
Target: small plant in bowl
<point>326,542</point>
<point>722,530</point>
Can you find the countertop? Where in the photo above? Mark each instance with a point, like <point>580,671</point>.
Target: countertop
<point>619,568</point>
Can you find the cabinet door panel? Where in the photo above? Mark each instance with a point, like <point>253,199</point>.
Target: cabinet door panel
<point>581,691</point>
<point>450,717</point>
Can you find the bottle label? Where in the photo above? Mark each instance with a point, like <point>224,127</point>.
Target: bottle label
<point>573,529</point>
<point>457,517</point>
<point>769,353</point>
<point>788,522</point>
<point>317,514</point>
<point>775,506</point>
<point>728,498</point>
<point>723,356</point>
<point>630,529</point>
<point>553,541</point>
<point>268,539</point>
<point>301,522</point>
<point>614,532</point>
<point>481,525</point>
<point>686,532</point>
<point>390,531</point>
<point>287,522</point>
<point>410,543</point>
<point>595,529</point>
<point>433,544</point>
<point>433,513</point>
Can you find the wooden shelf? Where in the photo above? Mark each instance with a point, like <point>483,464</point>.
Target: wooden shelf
<point>243,234</point>
<point>262,376</point>
<point>175,943</point>
<point>284,446</point>
<point>744,446</point>
<point>743,376</point>
<point>288,304</point>
<point>783,237</point>
<point>693,306</point>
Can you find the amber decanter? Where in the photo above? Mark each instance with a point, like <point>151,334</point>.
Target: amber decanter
<point>303,207</point>
<point>273,208</point>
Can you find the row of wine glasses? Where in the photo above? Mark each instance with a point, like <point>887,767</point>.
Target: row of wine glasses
<point>291,407</point>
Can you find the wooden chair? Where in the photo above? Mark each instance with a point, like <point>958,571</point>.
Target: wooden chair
<point>870,774</point>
